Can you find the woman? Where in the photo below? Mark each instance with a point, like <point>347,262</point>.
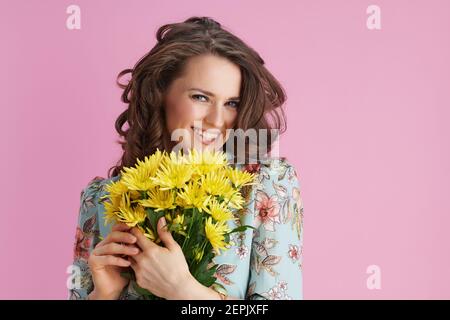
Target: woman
<point>197,84</point>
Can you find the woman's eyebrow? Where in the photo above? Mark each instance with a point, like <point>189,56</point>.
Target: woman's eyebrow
<point>211,94</point>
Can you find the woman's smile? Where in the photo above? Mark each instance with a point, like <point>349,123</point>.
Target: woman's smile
<point>205,136</point>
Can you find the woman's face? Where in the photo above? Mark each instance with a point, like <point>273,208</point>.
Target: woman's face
<point>202,104</point>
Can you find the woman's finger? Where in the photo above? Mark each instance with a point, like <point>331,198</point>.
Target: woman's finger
<point>133,262</point>
<point>119,236</point>
<point>114,248</point>
<point>120,227</point>
<point>113,261</point>
<point>142,240</point>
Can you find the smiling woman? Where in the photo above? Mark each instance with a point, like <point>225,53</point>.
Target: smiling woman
<point>197,72</point>
<point>201,103</point>
<point>196,85</point>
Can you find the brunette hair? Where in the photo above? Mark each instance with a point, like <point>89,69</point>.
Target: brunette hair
<point>261,95</point>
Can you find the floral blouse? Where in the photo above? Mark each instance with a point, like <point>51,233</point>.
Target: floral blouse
<point>262,263</point>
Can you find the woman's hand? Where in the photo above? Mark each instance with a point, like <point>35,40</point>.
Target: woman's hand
<point>161,270</point>
<point>106,264</point>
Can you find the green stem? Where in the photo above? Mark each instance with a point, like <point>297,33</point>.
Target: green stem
<point>232,195</point>
<point>204,245</point>
<point>189,229</point>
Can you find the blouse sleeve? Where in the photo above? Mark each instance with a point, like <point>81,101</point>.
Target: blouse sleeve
<point>86,238</point>
<point>276,259</point>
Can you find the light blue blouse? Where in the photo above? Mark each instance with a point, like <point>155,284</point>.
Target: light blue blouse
<point>265,263</point>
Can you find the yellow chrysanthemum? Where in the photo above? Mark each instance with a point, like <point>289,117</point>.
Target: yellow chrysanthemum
<point>172,173</point>
<point>138,179</point>
<point>215,233</point>
<point>177,224</point>
<point>198,253</point>
<point>234,199</point>
<point>111,209</point>
<point>192,196</point>
<point>149,234</point>
<point>240,178</point>
<point>129,215</point>
<point>151,163</point>
<point>159,199</point>
<point>216,183</point>
<point>179,219</point>
<point>219,211</point>
<point>206,161</point>
<point>174,157</point>
<point>116,189</point>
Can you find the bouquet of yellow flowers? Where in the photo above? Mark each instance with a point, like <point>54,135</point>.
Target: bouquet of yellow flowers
<point>198,194</point>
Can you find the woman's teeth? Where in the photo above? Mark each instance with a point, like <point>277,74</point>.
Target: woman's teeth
<point>205,136</point>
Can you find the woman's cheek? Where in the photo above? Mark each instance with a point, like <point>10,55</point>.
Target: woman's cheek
<point>188,113</point>
<point>231,119</point>
<point>197,112</point>
<point>176,116</point>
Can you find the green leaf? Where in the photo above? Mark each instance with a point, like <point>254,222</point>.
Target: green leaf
<point>202,274</point>
<point>153,217</point>
<point>241,228</point>
<point>150,212</point>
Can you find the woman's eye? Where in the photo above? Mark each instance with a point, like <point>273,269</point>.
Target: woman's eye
<point>200,97</point>
<point>235,104</point>
<point>196,96</point>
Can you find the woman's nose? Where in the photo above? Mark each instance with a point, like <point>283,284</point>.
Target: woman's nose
<point>216,116</point>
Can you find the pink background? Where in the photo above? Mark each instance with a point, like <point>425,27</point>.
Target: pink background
<point>368,131</point>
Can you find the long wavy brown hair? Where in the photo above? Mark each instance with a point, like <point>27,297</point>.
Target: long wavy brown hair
<point>262,96</point>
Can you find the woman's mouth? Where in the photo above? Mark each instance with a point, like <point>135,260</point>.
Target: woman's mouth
<point>205,137</point>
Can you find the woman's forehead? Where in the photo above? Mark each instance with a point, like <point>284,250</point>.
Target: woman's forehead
<point>219,77</point>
